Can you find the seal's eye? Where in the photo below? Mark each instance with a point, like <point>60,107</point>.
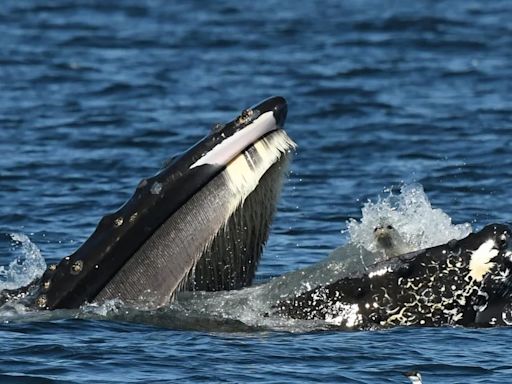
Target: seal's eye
<point>390,227</point>
<point>376,229</point>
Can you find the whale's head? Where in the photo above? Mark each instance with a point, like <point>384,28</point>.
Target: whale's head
<point>200,223</point>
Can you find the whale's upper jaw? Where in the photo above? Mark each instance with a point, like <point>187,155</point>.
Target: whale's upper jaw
<point>80,277</point>
<point>225,141</point>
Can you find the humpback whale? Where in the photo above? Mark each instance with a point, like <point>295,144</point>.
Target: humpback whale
<point>465,282</point>
<point>200,223</point>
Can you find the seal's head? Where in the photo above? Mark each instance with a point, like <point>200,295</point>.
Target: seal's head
<point>388,240</point>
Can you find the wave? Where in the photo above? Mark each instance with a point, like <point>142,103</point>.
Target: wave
<point>26,267</point>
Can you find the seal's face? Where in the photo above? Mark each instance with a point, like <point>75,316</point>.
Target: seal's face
<point>384,236</point>
<point>389,241</point>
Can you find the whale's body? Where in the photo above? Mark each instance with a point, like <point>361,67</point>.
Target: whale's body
<point>465,282</point>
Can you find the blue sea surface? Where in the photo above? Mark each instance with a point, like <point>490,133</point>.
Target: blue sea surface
<point>96,95</point>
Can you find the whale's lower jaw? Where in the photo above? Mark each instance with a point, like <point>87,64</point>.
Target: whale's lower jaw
<point>214,241</point>
<point>463,283</point>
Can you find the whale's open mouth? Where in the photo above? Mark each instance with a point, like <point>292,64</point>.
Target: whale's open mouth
<point>200,223</point>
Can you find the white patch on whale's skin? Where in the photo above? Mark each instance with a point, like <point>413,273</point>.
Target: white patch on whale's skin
<point>380,272</point>
<point>229,148</point>
<point>347,315</point>
<point>480,262</point>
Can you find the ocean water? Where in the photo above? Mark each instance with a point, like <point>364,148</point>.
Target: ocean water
<point>383,96</point>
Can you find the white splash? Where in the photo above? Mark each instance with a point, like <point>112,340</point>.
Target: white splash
<point>102,310</point>
<point>411,214</point>
<point>24,269</point>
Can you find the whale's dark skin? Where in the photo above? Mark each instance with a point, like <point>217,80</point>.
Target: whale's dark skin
<point>432,287</point>
<point>83,276</point>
